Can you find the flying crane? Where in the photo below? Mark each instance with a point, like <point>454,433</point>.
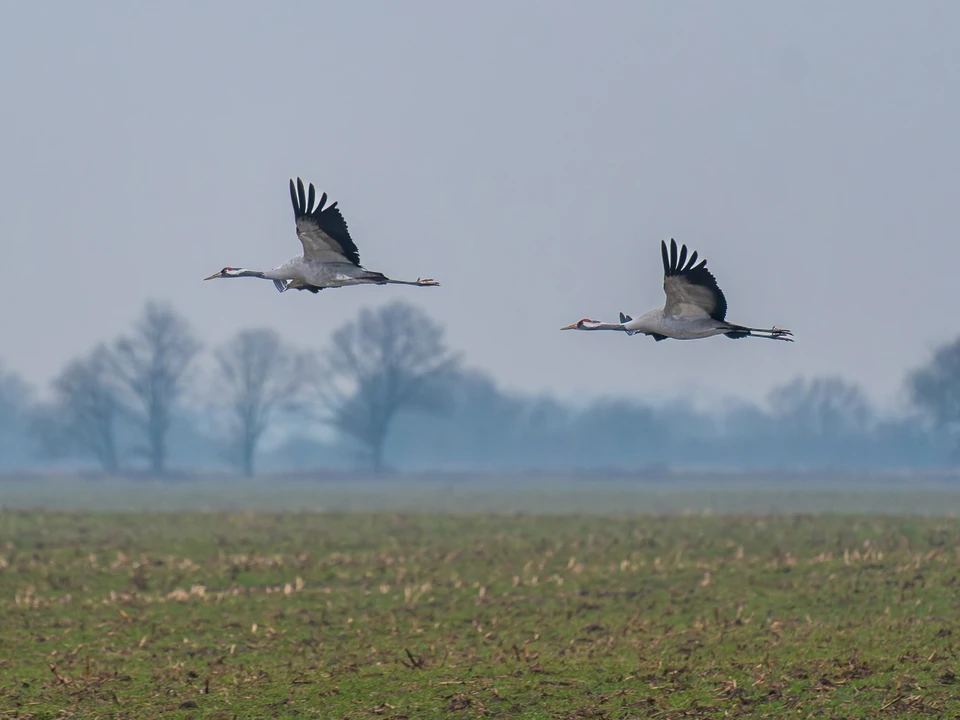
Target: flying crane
<point>330,257</point>
<point>695,306</point>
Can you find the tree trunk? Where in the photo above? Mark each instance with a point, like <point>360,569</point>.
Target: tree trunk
<point>107,450</point>
<point>246,461</point>
<point>376,452</point>
<point>157,452</point>
<point>109,460</point>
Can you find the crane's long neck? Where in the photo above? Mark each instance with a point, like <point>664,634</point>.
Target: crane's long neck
<point>595,325</point>
<point>242,272</point>
<point>601,326</point>
<point>232,272</point>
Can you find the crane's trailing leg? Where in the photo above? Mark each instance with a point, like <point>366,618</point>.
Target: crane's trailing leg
<point>773,333</point>
<point>425,282</point>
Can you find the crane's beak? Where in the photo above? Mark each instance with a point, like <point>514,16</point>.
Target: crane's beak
<point>215,275</point>
<point>572,326</point>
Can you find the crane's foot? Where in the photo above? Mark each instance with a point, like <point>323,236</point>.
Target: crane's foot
<point>427,282</point>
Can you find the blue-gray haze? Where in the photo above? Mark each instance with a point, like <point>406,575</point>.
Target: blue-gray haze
<point>529,155</point>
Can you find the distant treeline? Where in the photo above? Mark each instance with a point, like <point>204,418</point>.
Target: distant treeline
<point>387,394</point>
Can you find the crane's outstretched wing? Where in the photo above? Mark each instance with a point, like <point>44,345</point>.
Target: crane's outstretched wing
<point>691,289</point>
<point>323,232</point>
<point>284,285</point>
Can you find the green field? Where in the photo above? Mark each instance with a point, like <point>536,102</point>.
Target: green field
<point>387,615</point>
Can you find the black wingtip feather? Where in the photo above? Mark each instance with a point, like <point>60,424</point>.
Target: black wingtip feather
<point>674,264</point>
<point>329,220</point>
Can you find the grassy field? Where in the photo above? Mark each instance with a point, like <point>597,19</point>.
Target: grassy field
<point>354,615</point>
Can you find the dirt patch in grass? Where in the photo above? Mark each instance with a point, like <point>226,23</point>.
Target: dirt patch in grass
<point>404,616</point>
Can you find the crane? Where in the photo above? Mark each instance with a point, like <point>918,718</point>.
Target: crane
<point>330,257</point>
<point>695,306</point>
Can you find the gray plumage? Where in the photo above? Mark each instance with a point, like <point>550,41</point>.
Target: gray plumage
<point>330,257</point>
<point>695,306</point>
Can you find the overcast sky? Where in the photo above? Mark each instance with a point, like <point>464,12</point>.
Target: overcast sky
<point>528,155</point>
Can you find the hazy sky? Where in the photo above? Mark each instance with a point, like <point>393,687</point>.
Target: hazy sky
<point>528,155</point>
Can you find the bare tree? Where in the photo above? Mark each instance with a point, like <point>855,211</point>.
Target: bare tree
<point>935,387</point>
<point>15,402</point>
<point>82,417</point>
<point>13,398</point>
<point>257,377</point>
<point>822,408</point>
<point>151,365</point>
<point>390,359</point>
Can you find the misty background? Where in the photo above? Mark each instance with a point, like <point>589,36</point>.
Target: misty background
<point>529,156</point>
<point>387,393</point>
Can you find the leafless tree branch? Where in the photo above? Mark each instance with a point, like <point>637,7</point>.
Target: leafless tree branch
<point>257,378</point>
<point>82,417</point>
<point>151,364</point>
<point>391,359</point>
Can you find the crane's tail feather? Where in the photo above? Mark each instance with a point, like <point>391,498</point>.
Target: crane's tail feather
<point>280,285</point>
<point>374,277</point>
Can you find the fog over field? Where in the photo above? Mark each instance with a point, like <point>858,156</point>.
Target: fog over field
<point>531,158</point>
